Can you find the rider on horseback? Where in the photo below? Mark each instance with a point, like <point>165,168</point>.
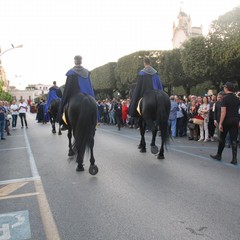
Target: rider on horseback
<point>54,93</point>
<point>78,80</point>
<point>148,79</point>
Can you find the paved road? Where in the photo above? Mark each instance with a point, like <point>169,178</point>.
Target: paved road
<point>134,195</point>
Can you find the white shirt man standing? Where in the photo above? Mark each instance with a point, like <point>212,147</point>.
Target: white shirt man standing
<point>22,112</point>
<point>14,111</point>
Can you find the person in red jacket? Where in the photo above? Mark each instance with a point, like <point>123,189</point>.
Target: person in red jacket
<point>124,113</point>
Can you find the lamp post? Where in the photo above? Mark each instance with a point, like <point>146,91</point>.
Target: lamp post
<point>13,47</point>
<point>1,53</point>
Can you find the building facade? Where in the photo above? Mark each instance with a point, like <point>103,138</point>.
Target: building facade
<point>3,79</point>
<point>183,30</point>
<point>32,92</point>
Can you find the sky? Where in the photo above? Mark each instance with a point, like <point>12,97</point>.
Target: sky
<point>52,32</point>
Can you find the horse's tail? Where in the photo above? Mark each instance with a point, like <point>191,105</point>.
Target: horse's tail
<point>82,115</point>
<point>163,110</point>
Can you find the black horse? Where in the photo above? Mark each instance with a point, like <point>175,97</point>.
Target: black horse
<point>81,118</point>
<point>53,112</point>
<point>154,109</point>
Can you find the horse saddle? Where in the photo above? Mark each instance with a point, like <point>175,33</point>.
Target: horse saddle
<point>138,107</point>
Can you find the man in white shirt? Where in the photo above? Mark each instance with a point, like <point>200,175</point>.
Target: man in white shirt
<point>14,111</point>
<point>22,112</point>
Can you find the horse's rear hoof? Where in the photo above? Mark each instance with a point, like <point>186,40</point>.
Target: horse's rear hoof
<point>53,131</point>
<point>143,150</point>
<point>154,149</point>
<point>93,169</point>
<point>70,153</point>
<point>59,133</point>
<point>161,157</point>
<point>80,168</point>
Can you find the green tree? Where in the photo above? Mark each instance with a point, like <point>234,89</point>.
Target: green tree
<point>103,80</point>
<point>171,71</point>
<point>194,59</point>
<point>128,67</point>
<point>224,47</point>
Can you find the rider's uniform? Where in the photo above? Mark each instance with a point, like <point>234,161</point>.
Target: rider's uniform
<point>148,79</point>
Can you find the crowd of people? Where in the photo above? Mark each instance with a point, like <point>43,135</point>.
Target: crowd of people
<point>199,118</point>
<point>9,113</point>
<point>183,111</point>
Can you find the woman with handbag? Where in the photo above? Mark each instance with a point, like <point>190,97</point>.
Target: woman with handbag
<point>192,112</point>
<point>203,111</point>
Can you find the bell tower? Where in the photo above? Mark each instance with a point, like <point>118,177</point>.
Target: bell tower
<point>183,30</point>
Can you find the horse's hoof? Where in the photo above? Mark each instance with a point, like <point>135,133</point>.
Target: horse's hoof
<point>70,153</point>
<point>143,150</point>
<point>80,168</point>
<point>59,133</point>
<point>160,157</point>
<point>154,149</point>
<point>93,169</point>
<point>53,131</point>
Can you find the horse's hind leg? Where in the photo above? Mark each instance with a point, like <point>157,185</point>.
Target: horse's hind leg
<point>161,152</point>
<point>53,126</point>
<point>79,161</point>
<point>70,151</point>
<point>59,130</point>
<point>142,128</point>
<point>154,148</point>
<point>164,134</point>
<point>52,123</point>
<point>80,167</point>
<point>93,169</point>
<point>154,129</point>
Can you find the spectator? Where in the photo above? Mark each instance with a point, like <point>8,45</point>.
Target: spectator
<point>217,112</point>
<point>111,113</point>
<point>41,111</point>
<point>8,117</point>
<point>124,113</point>
<point>229,122</point>
<point>192,112</point>
<point>181,119</point>
<point>2,120</point>
<point>22,112</point>
<point>105,112</point>
<point>172,122</point>
<point>203,111</point>
<point>211,126</point>
<point>14,110</point>
<point>118,112</point>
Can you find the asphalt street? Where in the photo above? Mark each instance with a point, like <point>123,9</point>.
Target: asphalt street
<point>134,195</point>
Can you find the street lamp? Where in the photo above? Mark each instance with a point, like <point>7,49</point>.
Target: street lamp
<point>13,47</point>
<point>1,53</point>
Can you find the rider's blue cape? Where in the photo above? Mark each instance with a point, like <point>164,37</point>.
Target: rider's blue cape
<point>156,81</point>
<point>84,83</point>
<point>52,95</point>
<point>78,81</point>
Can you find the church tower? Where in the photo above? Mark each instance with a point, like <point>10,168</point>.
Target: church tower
<point>184,30</point>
